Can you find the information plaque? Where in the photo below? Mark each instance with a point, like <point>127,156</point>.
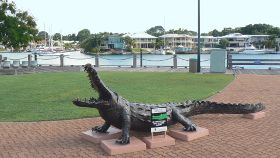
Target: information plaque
<point>158,120</point>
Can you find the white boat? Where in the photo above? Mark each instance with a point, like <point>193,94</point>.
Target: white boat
<point>182,50</point>
<point>160,52</point>
<point>250,49</point>
<point>169,51</point>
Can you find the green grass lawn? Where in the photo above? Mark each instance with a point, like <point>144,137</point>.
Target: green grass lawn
<point>48,96</point>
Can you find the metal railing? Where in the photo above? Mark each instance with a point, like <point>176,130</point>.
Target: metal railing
<point>134,58</point>
<point>237,62</point>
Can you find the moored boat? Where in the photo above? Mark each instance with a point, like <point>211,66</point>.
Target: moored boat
<point>250,49</point>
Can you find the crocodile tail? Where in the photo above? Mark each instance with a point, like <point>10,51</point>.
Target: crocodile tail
<point>207,107</point>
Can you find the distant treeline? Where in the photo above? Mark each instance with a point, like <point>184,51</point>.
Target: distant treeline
<point>252,29</point>
<point>256,29</point>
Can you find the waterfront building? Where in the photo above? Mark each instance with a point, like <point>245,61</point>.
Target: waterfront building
<point>237,40</point>
<point>115,42</point>
<point>143,40</point>
<point>278,42</point>
<point>207,41</point>
<point>257,40</point>
<point>177,40</point>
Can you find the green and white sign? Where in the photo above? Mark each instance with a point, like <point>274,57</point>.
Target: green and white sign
<point>158,120</point>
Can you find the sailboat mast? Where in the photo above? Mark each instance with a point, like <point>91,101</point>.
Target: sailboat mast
<point>60,38</point>
<point>45,35</point>
<point>164,32</point>
<point>51,39</point>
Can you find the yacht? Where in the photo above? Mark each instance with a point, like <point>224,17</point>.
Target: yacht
<point>169,51</point>
<point>160,52</point>
<point>250,49</point>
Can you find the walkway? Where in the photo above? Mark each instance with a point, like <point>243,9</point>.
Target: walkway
<point>230,135</point>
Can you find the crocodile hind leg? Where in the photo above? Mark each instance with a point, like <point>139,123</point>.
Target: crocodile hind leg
<point>101,129</point>
<point>186,122</point>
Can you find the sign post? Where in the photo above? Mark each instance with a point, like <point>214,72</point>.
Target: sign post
<point>158,120</point>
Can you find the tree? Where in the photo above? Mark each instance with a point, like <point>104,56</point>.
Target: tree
<point>83,34</point>
<point>227,31</point>
<point>252,29</point>
<point>70,37</point>
<point>42,35</point>
<point>57,36</point>
<point>156,31</point>
<point>17,28</point>
<point>130,43</point>
<point>182,31</point>
<point>224,43</point>
<point>214,33</point>
<point>159,43</point>
<point>93,43</point>
<point>204,34</point>
<point>271,43</point>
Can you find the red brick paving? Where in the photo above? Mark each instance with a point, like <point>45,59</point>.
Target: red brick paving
<point>230,135</point>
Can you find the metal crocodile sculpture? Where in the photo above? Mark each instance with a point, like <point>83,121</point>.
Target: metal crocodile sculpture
<point>120,113</point>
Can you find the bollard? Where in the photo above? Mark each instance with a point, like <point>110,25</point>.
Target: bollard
<point>175,66</point>
<point>0,60</point>
<point>61,60</point>
<point>141,58</point>
<point>35,57</point>
<point>192,65</point>
<point>229,62</point>
<point>134,61</point>
<point>29,60</point>
<point>96,60</point>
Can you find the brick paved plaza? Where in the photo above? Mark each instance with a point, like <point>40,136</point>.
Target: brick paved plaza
<point>230,135</point>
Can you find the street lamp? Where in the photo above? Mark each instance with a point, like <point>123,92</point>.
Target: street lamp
<point>198,39</point>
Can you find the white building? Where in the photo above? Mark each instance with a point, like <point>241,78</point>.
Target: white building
<point>143,40</point>
<point>278,41</point>
<point>237,40</point>
<point>2,46</point>
<point>207,41</point>
<point>175,40</point>
<point>257,39</point>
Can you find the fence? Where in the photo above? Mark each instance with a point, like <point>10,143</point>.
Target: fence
<point>134,58</point>
<point>232,62</point>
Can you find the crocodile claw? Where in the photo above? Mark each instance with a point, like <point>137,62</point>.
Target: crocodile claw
<point>190,128</point>
<point>124,139</point>
<point>99,129</point>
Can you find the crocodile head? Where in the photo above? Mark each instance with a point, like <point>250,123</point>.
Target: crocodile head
<point>106,95</point>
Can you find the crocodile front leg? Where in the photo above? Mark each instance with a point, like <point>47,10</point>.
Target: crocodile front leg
<point>186,122</point>
<point>124,139</point>
<point>101,129</point>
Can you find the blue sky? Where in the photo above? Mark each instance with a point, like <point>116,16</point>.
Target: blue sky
<point>122,16</point>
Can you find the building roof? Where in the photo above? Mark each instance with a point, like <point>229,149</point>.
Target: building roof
<point>205,37</point>
<point>174,35</point>
<point>139,35</point>
<point>235,35</point>
<point>258,35</point>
